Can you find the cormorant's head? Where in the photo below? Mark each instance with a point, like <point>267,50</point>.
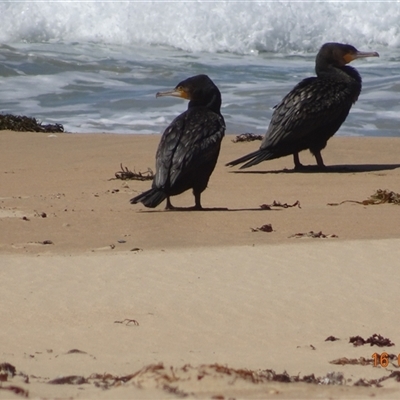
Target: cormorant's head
<point>339,54</point>
<point>200,90</point>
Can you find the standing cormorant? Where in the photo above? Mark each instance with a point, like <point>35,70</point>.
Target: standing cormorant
<point>189,147</point>
<point>314,110</point>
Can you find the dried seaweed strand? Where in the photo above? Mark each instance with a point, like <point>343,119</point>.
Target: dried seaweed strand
<point>279,204</point>
<point>127,321</point>
<point>313,234</point>
<point>379,197</point>
<point>352,361</point>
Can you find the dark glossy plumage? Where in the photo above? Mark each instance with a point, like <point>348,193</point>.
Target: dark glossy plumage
<point>314,110</point>
<point>189,147</point>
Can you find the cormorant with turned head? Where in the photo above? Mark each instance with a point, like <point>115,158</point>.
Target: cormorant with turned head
<point>314,110</point>
<point>189,147</point>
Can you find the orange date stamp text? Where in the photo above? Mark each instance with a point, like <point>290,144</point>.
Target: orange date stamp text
<point>383,359</point>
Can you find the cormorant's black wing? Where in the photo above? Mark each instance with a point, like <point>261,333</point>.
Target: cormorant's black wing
<point>190,141</point>
<point>312,106</point>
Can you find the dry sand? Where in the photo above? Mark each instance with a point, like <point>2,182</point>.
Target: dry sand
<point>217,304</point>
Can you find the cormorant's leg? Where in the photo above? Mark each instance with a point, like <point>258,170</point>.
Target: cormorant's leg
<point>169,206</point>
<point>297,163</point>
<point>197,205</point>
<point>318,157</point>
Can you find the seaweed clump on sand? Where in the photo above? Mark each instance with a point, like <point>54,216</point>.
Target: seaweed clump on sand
<point>126,174</point>
<point>26,124</point>
<point>264,228</point>
<point>374,340</point>
<point>247,137</point>
<point>383,196</point>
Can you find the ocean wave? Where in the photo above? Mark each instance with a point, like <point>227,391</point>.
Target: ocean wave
<point>243,27</point>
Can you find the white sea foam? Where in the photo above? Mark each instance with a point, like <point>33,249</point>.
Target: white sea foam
<point>219,26</point>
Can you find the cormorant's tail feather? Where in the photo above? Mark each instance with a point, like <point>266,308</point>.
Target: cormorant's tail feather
<point>242,159</point>
<point>150,198</point>
<point>253,158</point>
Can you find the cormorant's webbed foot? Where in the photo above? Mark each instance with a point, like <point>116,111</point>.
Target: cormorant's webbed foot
<point>320,161</point>
<point>197,202</point>
<point>195,208</point>
<point>298,166</point>
<point>169,205</point>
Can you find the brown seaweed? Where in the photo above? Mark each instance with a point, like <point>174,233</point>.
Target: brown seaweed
<point>374,340</point>
<point>279,204</point>
<point>247,137</point>
<point>352,361</point>
<point>16,390</point>
<point>264,228</point>
<point>74,351</point>
<point>8,369</point>
<point>379,197</point>
<point>331,339</point>
<point>127,321</point>
<point>313,234</point>
<point>126,174</point>
<point>26,124</point>
<point>69,380</point>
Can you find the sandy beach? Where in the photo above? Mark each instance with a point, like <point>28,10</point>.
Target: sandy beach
<point>104,299</point>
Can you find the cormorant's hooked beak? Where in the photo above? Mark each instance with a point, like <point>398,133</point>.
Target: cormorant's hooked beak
<point>349,57</point>
<point>177,92</point>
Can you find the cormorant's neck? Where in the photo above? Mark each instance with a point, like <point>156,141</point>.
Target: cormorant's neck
<point>344,73</point>
<point>213,103</point>
<point>352,72</point>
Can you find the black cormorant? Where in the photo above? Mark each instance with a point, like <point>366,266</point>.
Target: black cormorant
<point>189,147</point>
<point>314,110</point>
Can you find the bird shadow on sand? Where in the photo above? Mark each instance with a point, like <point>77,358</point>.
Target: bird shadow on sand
<point>354,168</point>
<point>206,209</point>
